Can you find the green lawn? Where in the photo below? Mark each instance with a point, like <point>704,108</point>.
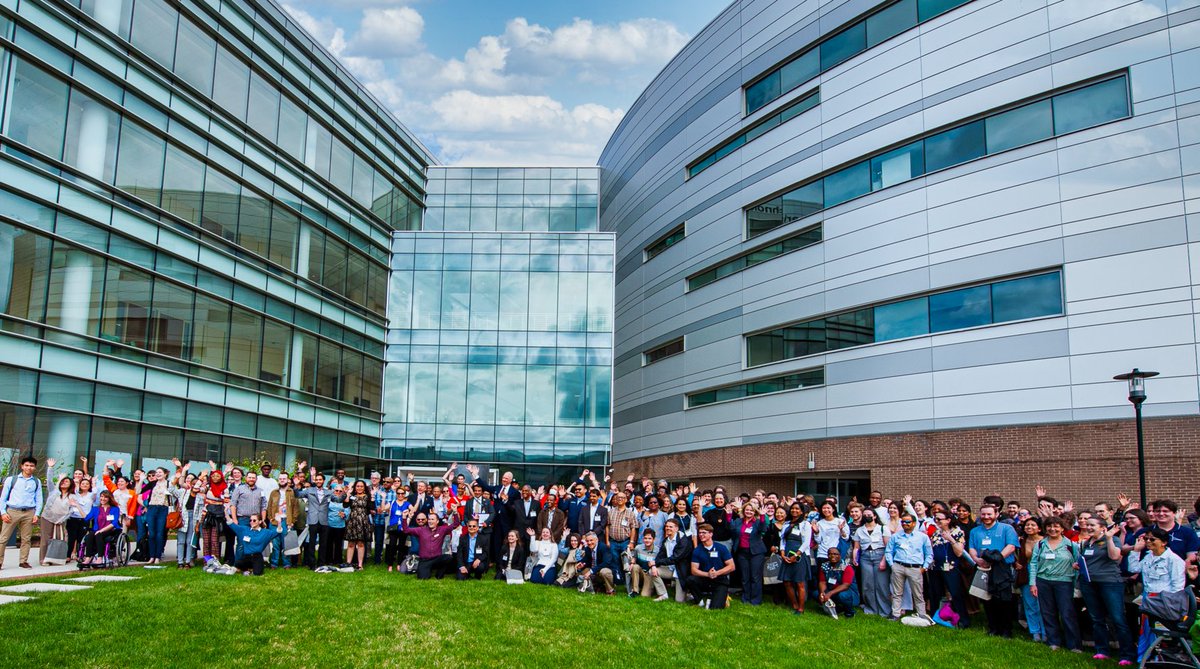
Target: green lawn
<point>372,618</point>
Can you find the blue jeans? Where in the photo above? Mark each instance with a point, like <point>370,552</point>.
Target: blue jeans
<point>244,521</point>
<point>278,559</point>
<point>156,529</point>
<point>1106,604</point>
<point>140,524</point>
<point>847,600</point>
<point>1033,612</point>
<point>185,537</point>
<point>543,575</point>
<point>1058,613</point>
<point>377,549</point>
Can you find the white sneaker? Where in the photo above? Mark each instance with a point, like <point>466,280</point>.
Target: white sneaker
<point>660,598</point>
<point>704,603</point>
<point>832,608</point>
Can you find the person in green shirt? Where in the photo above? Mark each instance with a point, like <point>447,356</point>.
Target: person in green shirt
<point>1052,570</point>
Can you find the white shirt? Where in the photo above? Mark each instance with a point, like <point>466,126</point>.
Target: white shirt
<point>267,486</point>
<point>830,532</point>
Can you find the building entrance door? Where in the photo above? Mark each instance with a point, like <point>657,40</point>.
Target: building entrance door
<point>843,487</point>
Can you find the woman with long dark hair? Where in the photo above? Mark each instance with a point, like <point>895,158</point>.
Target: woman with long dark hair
<point>795,547</point>
<point>212,518</point>
<point>358,524</point>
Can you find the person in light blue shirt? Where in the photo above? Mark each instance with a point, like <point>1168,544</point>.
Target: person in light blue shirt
<point>1161,569</point>
<point>990,535</point>
<point>909,554</point>
<point>20,506</point>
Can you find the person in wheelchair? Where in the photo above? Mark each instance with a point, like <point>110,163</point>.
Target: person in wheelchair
<point>1168,604</point>
<point>105,521</point>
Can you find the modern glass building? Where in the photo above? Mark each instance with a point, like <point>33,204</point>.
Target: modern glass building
<point>500,342</point>
<point>905,245</point>
<point>196,210</point>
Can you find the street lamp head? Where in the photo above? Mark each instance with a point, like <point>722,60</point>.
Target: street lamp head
<point>1137,384</point>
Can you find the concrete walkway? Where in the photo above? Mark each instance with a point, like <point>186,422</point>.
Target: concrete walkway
<point>12,560</point>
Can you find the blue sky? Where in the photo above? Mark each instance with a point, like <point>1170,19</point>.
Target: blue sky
<point>503,82</point>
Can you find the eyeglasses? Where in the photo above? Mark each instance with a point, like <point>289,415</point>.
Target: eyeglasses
<point>906,522</point>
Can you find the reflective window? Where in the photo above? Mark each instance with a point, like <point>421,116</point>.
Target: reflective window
<point>245,343</point>
<point>891,21</point>
<point>37,109</point>
<point>666,350</point>
<point>843,45</point>
<point>195,56</point>
<point>897,320</point>
<point>1018,127</point>
<point>670,239</point>
<point>849,183</point>
<point>222,199</point>
<point>805,379</point>
<point>154,24</point>
<point>183,185</point>
<point>285,229</point>
<point>802,239</point>
<point>1003,301</point>
<point>1027,297</point>
<point>293,132</point>
<point>963,308</point>
<point>896,166</point>
<point>140,162</point>
<point>1106,100</point>
<point>792,110</point>
<point>254,223</point>
<point>263,111</point>
<point>91,144</point>
<point>1091,105</point>
<point>232,83</point>
<point>955,146</point>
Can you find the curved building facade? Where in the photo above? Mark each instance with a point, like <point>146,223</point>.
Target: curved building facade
<point>906,245</point>
<point>196,210</point>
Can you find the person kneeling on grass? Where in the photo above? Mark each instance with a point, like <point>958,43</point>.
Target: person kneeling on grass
<point>836,589</point>
<point>711,564</point>
<point>598,565</point>
<point>253,541</point>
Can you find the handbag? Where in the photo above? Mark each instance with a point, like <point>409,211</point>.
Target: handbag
<point>57,550</point>
<point>174,520</point>
<point>979,584</point>
<point>293,541</point>
<point>409,566</point>
<point>771,569</point>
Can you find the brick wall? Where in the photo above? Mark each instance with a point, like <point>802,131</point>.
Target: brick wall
<point>1082,462</point>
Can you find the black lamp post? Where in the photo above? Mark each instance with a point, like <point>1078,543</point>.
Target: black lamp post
<point>1137,395</point>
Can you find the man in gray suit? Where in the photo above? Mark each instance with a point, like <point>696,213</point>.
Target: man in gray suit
<point>316,511</point>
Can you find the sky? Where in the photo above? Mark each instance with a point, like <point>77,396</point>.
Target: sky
<point>506,82</point>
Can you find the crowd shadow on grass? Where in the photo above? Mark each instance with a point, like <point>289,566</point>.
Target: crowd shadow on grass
<point>374,619</point>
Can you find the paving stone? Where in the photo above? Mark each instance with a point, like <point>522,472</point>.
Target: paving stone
<point>44,587</point>
<point>102,578</point>
<point>9,599</point>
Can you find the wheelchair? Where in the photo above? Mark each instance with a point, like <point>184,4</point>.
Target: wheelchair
<point>116,553</point>
<point>1172,645</point>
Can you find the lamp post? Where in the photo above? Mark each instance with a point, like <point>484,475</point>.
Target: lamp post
<point>1137,395</point>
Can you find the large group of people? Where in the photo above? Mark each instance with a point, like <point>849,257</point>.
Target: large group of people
<point>1061,572</point>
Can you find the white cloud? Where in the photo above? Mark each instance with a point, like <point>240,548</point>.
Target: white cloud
<point>627,43</point>
<point>394,31</point>
<point>495,105</point>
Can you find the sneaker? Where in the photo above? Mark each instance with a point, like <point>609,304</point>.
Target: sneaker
<point>660,598</point>
<point>1125,663</point>
<point>1053,647</point>
<point>1100,656</point>
<point>704,603</point>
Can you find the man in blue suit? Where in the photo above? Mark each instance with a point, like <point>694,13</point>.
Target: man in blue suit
<point>599,564</point>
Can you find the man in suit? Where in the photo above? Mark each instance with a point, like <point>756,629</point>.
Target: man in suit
<point>316,510</point>
<point>594,516</point>
<point>481,509</point>
<point>599,564</point>
<point>525,513</point>
<point>553,517</point>
<point>472,555</point>
<point>503,497</point>
<point>419,497</point>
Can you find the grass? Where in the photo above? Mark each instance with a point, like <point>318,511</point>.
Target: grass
<point>371,618</point>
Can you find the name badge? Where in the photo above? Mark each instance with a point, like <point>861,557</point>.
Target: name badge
<point>624,523</point>
<point>986,542</point>
<point>833,581</point>
<point>712,554</point>
<point>478,551</point>
<point>1051,556</point>
<point>246,539</point>
<point>1089,552</point>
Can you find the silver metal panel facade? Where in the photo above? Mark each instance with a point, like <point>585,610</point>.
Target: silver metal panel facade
<point>1107,206</point>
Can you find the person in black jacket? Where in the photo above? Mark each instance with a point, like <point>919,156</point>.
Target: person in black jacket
<point>749,553</point>
<point>525,514</point>
<point>599,565</point>
<point>674,558</point>
<point>512,556</point>
<point>718,517</point>
<point>472,555</point>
